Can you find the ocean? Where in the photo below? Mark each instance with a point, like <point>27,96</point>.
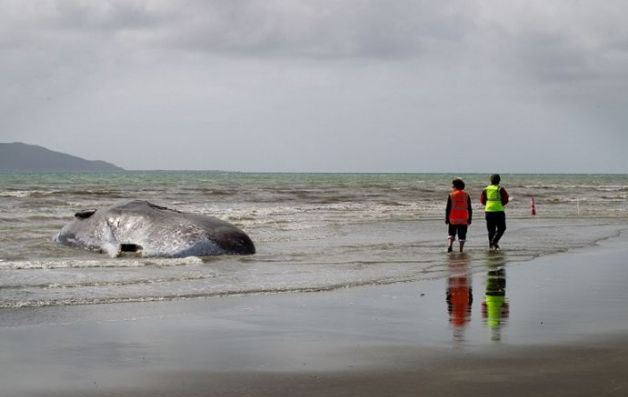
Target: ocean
<point>313,232</point>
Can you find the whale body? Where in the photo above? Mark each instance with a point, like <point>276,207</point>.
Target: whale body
<point>148,230</point>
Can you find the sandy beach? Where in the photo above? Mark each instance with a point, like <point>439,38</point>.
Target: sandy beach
<point>561,329</point>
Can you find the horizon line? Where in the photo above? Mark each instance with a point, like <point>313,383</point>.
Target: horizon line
<point>329,172</point>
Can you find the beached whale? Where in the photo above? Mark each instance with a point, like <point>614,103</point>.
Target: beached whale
<point>146,229</point>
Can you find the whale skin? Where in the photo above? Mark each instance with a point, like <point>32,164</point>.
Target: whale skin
<point>144,229</point>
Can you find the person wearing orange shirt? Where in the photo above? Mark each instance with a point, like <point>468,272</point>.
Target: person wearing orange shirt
<point>458,214</point>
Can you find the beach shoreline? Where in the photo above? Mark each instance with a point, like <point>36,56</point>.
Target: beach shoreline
<point>564,333</point>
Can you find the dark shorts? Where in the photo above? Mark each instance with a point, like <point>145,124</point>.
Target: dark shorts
<point>460,230</point>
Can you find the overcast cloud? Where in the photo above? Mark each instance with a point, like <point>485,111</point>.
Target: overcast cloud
<point>352,85</point>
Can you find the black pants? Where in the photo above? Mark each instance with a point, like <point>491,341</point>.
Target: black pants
<point>461,230</point>
<point>496,225</point>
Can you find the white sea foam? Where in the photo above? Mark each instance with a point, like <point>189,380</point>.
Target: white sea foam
<point>17,193</point>
<point>354,255</point>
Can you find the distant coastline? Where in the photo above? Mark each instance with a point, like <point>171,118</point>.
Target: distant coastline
<point>21,157</point>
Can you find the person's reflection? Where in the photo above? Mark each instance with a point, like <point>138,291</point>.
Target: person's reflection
<point>459,294</point>
<point>495,308</point>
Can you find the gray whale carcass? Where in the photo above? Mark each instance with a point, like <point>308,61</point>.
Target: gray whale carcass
<point>149,230</point>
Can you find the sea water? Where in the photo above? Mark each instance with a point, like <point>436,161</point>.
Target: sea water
<point>313,232</point>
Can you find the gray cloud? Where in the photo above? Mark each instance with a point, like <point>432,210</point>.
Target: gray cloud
<point>253,28</point>
<point>527,32</point>
<point>303,29</point>
<point>318,85</point>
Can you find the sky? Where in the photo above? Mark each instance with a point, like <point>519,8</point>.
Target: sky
<point>320,85</point>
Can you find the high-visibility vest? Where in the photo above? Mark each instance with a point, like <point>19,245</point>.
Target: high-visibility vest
<point>459,214</point>
<point>493,199</point>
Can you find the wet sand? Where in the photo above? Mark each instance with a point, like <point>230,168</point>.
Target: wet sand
<point>557,325</point>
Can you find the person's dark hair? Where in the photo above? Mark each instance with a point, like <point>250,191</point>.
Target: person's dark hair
<point>458,183</point>
<point>495,179</point>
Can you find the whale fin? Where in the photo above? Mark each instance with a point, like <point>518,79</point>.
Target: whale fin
<point>84,214</point>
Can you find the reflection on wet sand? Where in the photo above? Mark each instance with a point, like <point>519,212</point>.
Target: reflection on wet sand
<point>495,308</point>
<point>459,295</point>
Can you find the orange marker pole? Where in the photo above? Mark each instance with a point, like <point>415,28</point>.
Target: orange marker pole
<point>533,206</point>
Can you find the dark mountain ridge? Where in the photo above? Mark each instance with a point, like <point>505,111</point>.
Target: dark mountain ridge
<point>22,157</point>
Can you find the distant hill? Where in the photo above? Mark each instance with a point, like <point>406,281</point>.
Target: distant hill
<point>22,157</point>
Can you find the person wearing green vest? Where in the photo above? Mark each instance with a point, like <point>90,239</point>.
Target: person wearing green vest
<point>494,198</point>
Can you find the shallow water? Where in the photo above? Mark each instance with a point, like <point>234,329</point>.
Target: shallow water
<point>312,231</point>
